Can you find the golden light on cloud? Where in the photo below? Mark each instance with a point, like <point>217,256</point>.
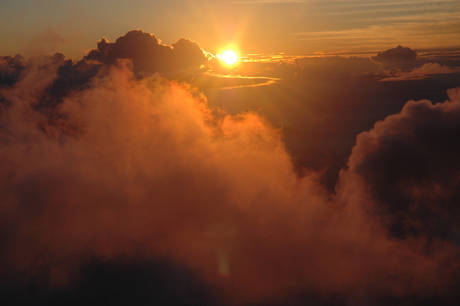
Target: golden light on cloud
<point>229,57</point>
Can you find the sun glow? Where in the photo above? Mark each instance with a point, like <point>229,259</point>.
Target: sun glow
<point>229,57</point>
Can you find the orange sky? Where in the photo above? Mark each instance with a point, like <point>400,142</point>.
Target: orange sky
<point>266,26</point>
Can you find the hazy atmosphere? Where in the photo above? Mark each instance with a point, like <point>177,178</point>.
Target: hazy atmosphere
<point>229,153</point>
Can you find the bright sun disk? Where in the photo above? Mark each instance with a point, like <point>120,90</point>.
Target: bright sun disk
<point>229,57</point>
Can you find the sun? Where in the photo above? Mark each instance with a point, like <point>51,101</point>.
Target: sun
<point>229,57</point>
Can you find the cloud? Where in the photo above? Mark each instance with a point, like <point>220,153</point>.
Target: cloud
<point>434,68</point>
<point>434,33</point>
<point>127,163</point>
<point>420,73</point>
<point>144,50</point>
<point>207,81</point>
<point>10,68</point>
<point>409,165</point>
<point>130,172</point>
<point>398,53</point>
<point>402,64</point>
<point>149,55</point>
<point>399,57</point>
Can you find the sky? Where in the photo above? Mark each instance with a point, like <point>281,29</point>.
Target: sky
<point>138,168</point>
<point>293,27</point>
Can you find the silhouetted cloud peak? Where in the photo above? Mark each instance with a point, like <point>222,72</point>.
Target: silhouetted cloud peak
<point>398,53</point>
<point>148,54</point>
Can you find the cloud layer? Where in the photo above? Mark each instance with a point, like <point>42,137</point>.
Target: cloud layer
<point>123,173</point>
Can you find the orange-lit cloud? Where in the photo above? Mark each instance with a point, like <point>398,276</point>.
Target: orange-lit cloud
<point>108,171</point>
<point>422,72</point>
<point>122,168</point>
<point>212,81</point>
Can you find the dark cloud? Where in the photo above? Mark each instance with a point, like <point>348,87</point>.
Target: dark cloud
<point>10,69</point>
<point>403,64</point>
<point>409,162</point>
<point>399,57</point>
<point>323,103</point>
<point>117,282</point>
<point>144,50</point>
<point>149,55</point>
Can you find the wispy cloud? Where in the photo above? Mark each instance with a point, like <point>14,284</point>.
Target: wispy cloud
<point>429,34</point>
<point>216,81</point>
<point>420,73</point>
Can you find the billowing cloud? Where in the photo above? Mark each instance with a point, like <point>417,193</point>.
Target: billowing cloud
<point>149,55</point>
<point>402,64</point>
<point>399,57</point>
<point>10,68</point>
<point>144,50</point>
<point>129,174</point>
<point>409,165</point>
<point>398,53</point>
